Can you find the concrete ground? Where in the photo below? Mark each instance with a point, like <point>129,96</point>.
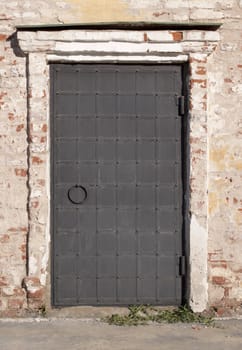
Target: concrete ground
<point>89,334</point>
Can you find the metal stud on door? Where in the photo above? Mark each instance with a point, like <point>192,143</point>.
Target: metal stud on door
<point>116,184</point>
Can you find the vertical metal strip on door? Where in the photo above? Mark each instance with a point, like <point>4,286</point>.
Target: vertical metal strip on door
<point>116,184</point>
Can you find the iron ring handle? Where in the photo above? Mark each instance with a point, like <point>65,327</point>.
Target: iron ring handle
<point>77,187</point>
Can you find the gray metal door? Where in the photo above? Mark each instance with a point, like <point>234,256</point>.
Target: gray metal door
<point>116,184</point>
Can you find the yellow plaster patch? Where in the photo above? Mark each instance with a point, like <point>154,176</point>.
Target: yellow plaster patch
<point>238,216</point>
<point>212,202</point>
<point>98,11</point>
<point>236,164</point>
<point>217,156</point>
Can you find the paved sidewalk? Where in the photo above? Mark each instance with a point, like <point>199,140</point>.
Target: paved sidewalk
<point>76,334</point>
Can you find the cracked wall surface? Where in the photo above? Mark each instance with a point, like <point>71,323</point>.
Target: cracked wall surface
<point>215,146</point>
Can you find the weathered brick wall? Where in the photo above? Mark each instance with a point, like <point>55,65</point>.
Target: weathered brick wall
<point>22,210</point>
<point>13,170</point>
<point>225,165</point>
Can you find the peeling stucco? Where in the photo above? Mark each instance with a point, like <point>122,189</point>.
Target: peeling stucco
<point>96,10</point>
<point>198,265</point>
<point>33,267</point>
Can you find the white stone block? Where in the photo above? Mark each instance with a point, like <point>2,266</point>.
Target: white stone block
<point>117,47</point>
<point>119,58</point>
<point>211,35</point>
<point>194,35</point>
<point>160,36</point>
<point>198,35</point>
<point>36,46</point>
<point>91,35</point>
<point>26,36</point>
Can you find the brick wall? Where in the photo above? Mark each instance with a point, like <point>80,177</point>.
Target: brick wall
<point>225,189</point>
<point>24,148</point>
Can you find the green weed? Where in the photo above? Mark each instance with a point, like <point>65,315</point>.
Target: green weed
<point>144,314</point>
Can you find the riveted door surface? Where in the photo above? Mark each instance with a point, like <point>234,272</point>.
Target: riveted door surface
<point>116,184</point>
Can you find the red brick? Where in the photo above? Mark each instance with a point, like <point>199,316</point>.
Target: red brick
<point>4,238</point>
<point>196,60</point>
<point>44,128</point>
<point>3,37</point>
<point>23,248</point>
<point>2,94</point>
<point>220,280</point>
<point>38,294</point>
<point>17,229</point>
<point>15,303</point>
<point>177,36</point>
<point>20,172</point>
<point>3,282</point>
<point>19,127</point>
<point>201,71</point>
<point>36,160</point>
<point>202,83</point>
<point>11,116</point>
<point>220,311</point>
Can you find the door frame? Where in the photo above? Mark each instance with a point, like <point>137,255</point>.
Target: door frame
<point>43,45</point>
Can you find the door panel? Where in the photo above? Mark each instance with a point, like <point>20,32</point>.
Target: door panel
<point>116,184</point>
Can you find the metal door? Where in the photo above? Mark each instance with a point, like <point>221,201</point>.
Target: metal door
<point>116,184</point>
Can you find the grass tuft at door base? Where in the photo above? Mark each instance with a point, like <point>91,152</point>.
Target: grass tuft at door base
<point>145,314</point>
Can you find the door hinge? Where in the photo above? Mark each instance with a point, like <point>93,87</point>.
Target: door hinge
<point>181,104</point>
<point>182,265</point>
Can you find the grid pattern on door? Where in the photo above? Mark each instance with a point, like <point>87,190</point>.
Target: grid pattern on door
<point>116,132</point>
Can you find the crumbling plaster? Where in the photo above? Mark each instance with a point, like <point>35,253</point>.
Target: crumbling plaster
<point>215,204</point>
